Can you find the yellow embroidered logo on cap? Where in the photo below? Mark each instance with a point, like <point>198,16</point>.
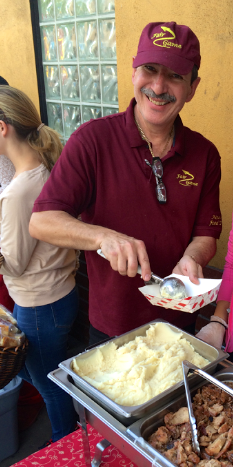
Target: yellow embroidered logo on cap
<point>165,40</point>
<point>186,179</point>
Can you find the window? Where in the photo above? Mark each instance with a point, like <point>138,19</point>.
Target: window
<point>78,44</point>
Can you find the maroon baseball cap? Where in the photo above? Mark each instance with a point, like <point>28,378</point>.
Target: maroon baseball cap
<point>172,45</point>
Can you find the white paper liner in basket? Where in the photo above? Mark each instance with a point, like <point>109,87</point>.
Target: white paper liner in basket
<point>198,295</point>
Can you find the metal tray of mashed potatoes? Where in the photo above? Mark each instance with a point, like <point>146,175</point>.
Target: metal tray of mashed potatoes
<point>128,414</point>
<point>142,429</point>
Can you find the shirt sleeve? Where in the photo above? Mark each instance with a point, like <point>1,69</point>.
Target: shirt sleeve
<point>208,218</point>
<point>17,245</point>
<point>226,288</point>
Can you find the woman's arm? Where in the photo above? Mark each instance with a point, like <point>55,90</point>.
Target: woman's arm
<point>17,245</point>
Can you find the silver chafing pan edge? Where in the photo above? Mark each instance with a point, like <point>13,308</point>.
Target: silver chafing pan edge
<point>128,414</point>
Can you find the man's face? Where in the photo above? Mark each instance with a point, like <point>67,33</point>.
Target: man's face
<point>161,93</point>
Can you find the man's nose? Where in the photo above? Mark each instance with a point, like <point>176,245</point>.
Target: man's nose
<point>159,83</point>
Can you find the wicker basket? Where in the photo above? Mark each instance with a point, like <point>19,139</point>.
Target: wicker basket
<point>11,362</point>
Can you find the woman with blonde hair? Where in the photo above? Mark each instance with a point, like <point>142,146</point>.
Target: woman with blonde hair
<point>40,277</point>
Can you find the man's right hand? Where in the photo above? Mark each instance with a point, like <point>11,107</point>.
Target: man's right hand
<point>125,254</point>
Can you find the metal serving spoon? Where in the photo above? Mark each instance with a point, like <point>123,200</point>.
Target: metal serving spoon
<point>170,287</point>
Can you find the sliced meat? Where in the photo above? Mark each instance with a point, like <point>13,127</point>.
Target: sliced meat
<point>215,447</point>
<point>209,463</point>
<point>217,421</point>
<point>181,455</point>
<point>161,436</point>
<point>180,417</point>
<point>215,409</point>
<point>204,441</point>
<point>210,430</point>
<point>230,456</point>
<point>171,455</point>
<point>168,417</point>
<point>224,428</point>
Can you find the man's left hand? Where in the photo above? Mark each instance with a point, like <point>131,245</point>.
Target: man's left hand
<point>187,266</point>
<point>196,256</point>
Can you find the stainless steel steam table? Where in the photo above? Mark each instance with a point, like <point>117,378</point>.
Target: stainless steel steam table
<point>114,432</point>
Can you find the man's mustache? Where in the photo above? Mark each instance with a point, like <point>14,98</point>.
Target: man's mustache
<point>164,96</point>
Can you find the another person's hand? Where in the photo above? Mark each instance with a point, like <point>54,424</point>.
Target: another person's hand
<point>125,254</point>
<point>213,333</point>
<point>187,266</point>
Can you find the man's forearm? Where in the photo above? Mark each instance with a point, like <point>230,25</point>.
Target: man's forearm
<point>202,249</point>
<point>63,230</point>
<point>123,252</point>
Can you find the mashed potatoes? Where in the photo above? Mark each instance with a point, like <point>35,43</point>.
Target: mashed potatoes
<point>142,368</point>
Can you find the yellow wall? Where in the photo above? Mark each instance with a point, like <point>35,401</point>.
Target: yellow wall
<point>17,50</point>
<point>210,112</point>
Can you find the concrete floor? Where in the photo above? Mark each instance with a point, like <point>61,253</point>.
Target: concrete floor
<point>35,436</point>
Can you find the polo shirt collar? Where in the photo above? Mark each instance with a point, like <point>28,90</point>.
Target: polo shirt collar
<point>135,138</point>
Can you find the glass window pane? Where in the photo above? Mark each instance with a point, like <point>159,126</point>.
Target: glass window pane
<point>46,10</point>
<point>108,111</point>
<point>64,8</point>
<point>69,82</point>
<point>106,6</point>
<point>66,41</point>
<point>79,55</point>
<point>109,84</point>
<point>87,40</point>
<point>52,82</point>
<point>49,48</point>
<point>85,7</point>
<point>72,118</point>
<point>90,83</point>
<point>55,117</point>
<point>91,112</point>
<point>107,39</point>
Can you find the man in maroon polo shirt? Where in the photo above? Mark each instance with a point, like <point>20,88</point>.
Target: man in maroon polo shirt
<point>147,189</point>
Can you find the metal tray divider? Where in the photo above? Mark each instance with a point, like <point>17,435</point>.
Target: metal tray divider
<point>226,363</point>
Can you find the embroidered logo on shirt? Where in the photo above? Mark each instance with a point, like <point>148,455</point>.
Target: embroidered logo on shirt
<point>186,179</point>
<point>216,220</point>
<point>166,41</point>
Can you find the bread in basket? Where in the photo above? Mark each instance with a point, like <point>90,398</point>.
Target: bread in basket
<point>13,347</point>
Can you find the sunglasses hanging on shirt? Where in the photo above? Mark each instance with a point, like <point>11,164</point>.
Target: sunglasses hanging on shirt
<point>157,169</point>
<point>156,166</point>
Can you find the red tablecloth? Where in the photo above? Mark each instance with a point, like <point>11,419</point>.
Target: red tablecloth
<point>68,452</point>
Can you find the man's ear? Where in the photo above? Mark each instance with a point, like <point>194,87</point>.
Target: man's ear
<point>193,88</point>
